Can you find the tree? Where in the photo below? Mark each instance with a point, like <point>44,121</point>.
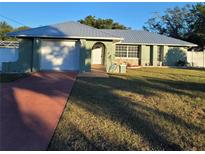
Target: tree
<point>186,23</point>
<point>4,28</point>
<point>102,23</point>
<point>198,34</point>
<point>21,28</point>
<point>175,22</point>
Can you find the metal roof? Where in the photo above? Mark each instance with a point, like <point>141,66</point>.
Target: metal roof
<point>145,37</point>
<point>77,30</point>
<point>65,30</point>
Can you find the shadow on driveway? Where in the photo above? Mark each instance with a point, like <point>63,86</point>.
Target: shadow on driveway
<point>30,109</point>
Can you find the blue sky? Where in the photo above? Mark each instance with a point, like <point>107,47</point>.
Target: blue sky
<point>133,15</point>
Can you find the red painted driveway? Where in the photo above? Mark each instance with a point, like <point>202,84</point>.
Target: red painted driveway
<point>30,109</point>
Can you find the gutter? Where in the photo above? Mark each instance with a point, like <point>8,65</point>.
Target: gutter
<point>181,45</point>
<point>68,37</point>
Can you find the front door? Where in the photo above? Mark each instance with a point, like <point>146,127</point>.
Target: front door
<point>97,55</point>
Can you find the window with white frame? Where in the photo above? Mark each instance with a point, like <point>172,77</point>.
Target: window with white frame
<point>121,51</point>
<point>127,51</point>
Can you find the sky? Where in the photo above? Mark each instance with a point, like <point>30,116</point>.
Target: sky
<point>132,15</point>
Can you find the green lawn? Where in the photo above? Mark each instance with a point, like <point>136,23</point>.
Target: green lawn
<point>145,109</point>
<point>5,77</point>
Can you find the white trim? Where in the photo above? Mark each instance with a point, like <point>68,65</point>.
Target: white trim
<point>75,37</point>
<point>105,38</point>
<point>59,39</point>
<point>101,1</point>
<point>126,58</point>
<point>194,45</point>
<point>127,51</point>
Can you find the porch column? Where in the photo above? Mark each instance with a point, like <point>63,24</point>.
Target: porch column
<point>165,51</point>
<point>145,55</point>
<point>155,54</point>
<point>36,54</point>
<point>85,57</point>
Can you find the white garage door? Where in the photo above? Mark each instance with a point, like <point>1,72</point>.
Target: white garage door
<point>59,55</point>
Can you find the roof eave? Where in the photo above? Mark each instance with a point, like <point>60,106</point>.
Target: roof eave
<point>69,37</point>
<point>186,45</point>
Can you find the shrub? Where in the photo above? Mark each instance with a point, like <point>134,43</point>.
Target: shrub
<point>181,63</point>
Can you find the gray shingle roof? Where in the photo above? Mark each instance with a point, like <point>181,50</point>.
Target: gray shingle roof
<point>65,30</point>
<point>144,37</point>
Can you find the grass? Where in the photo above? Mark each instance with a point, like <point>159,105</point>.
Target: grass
<point>9,77</point>
<point>145,109</point>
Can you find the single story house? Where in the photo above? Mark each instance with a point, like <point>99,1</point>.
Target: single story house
<point>75,46</point>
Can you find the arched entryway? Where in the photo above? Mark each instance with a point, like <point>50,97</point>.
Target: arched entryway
<point>98,54</point>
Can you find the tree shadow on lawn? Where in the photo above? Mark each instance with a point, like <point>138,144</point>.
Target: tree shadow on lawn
<point>189,68</point>
<point>147,85</point>
<point>79,141</point>
<point>180,85</point>
<point>189,89</point>
<point>97,97</point>
<point>173,71</point>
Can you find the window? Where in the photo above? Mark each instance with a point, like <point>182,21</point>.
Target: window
<point>121,51</point>
<point>127,51</point>
<point>133,51</point>
<point>160,53</point>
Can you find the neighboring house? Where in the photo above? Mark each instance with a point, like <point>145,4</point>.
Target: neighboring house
<point>8,52</point>
<point>74,46</point>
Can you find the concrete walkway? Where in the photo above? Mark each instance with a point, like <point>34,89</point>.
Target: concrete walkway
<point>97,70</point>
<point>30,109</point>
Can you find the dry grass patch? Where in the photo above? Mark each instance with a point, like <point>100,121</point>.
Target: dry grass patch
<point>145,109</point>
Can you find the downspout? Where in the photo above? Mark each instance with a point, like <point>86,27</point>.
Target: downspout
<point>31,64</point>
<point>203,58</point>
<point>192,59</point>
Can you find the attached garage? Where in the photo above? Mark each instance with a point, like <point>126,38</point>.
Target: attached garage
<point>60,55</point>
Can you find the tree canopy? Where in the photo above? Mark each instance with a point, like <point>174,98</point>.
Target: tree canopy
<point>100,23</point>
<point>6,28</point>
<point>186,23</point>
<point>21,28</point>
<point>198,34</point>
